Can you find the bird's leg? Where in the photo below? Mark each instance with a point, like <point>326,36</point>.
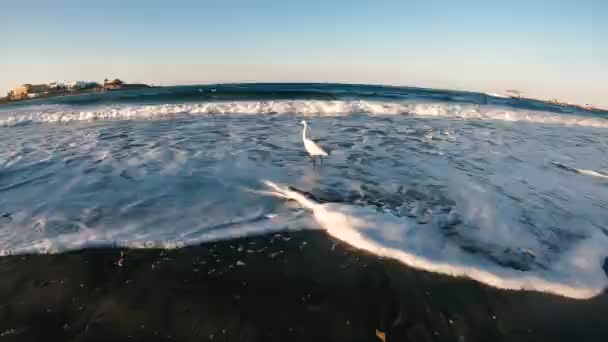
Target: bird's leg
<point>314,161</point>
<point>321,160</point>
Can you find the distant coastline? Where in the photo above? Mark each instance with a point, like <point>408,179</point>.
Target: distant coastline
<point>516,94</point>
<point>29,91</point>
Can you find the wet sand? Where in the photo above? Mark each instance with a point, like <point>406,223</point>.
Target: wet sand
<point>302,286</point>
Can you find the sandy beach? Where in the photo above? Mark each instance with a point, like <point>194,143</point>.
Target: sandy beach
<point>301,286</point>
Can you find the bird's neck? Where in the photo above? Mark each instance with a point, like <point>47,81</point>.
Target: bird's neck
<point>304,132</point>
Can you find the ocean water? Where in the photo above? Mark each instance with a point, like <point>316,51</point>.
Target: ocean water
<point>509,192</point>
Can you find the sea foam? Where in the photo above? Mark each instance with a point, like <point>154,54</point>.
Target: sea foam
<point>299,107</point>
<point>577,274</point>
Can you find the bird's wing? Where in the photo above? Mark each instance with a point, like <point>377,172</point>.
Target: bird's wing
<point>314,148</point>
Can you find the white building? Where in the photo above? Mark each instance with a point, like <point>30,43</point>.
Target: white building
<point>75,85</point>
<point>71,85</point>
<point>57,85</point>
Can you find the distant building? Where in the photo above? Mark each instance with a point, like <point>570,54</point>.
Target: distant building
<point>24,90</point>
<point>114,84</point>
<point>79,85</point>
<point>19,92</point>
<point>58,88</point>
<point>57,85</point>
<point>73,85</point>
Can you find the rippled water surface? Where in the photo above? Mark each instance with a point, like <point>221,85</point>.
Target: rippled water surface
<point>507,192</point>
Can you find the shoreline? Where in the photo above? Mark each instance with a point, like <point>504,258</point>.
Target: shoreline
<point>296,286</point>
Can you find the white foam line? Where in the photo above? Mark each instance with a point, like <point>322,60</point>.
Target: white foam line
<point>302,107</point>
<point>340,224</point>
<point>592,173</point>
<point>112,239</point>
<point>586,172</point>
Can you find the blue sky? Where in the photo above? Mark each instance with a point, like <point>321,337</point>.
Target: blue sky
<point>544,48</point>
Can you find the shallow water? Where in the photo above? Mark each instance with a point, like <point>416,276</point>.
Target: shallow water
<point>505,191</point>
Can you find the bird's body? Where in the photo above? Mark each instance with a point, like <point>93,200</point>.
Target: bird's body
<point>311,147</point>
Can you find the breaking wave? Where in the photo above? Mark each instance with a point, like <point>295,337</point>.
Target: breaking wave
<point>300,107</point>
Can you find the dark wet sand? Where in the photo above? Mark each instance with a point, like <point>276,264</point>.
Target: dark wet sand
<point>288,287</point>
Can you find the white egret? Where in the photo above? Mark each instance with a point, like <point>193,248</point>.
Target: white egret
<point>312,148</point>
